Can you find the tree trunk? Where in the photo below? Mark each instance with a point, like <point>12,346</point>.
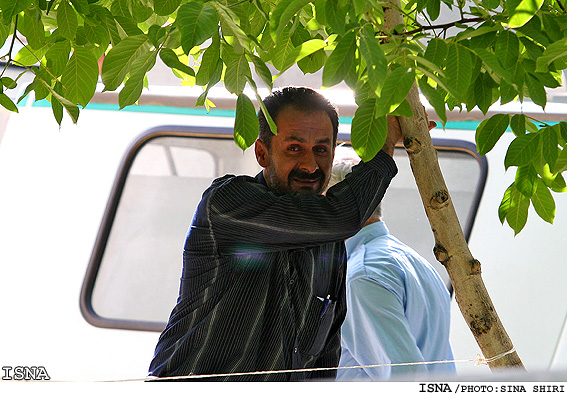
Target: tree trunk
<point>451,248</point>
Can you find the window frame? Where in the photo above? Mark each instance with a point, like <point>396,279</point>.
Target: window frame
<point>86,306</point>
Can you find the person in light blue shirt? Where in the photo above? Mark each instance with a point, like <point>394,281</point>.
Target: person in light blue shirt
<point>397,304</point>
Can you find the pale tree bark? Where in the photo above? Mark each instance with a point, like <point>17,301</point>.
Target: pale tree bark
<point>451,248</point>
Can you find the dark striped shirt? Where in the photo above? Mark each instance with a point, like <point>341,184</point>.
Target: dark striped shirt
<point>263,282</point>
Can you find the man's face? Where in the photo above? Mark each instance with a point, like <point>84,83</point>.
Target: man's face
<point>301,154</point>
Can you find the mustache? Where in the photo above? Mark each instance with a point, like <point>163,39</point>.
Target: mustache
<point>303,175</point>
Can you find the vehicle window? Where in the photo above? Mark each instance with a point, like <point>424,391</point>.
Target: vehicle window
<point>133,277</point>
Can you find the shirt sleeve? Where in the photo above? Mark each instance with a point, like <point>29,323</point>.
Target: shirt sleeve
<point>377,330</point>
<point>245,213</point>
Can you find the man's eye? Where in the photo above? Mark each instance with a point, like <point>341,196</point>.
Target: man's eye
<point>321,150</point>
<point>293,148</point>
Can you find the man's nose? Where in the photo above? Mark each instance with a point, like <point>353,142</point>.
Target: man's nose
<point>308,163</point>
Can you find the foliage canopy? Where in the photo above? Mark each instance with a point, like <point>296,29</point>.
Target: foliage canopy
<point>496,50</point>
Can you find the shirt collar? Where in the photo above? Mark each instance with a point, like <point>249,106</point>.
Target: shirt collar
<point>366,234</point>
<point>260,178</point>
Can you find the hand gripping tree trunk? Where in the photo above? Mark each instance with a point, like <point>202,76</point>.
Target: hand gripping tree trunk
<point>451,248</point>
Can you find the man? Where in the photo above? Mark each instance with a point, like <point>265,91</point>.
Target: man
<point>262,287</point>
<point>398,306</point>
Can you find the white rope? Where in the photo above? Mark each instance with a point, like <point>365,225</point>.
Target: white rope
<point>479,360</point>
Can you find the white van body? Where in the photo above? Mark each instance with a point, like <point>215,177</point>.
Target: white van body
<point>55,186</point>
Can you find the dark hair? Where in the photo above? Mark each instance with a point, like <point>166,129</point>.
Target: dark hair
<point>301,98</point>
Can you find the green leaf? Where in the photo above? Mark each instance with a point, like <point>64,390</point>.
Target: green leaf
<point>32,28</point>
<point>507,92</point>
<point>492,65</point>
<point>521,11</point>
<point>12,7</point>
<point>236,73</point>
<point>403,110</point>
<point>481,31</point>
<point>459,70</point>
<point>97,34</point>
<point>376,62</point>
<point>5,31</point>
<point>269,119</point>
<point>313,63</point>
<point>282,14</point>
<point>171,60</point>
<point>505,204</point>
<point>536,90</point>
<point>435,99</point>
<point>197,22</point>
<point>56,106</point>
<point>339,62</point>
<point>8,83</point>
<point>560,164</point>
<point>262,71</point>
<point>209,62</point>
<point>283,51</point>
<point>7,103</point>
<point>396,87</point>
<point>67,20</point>
<point>551,26</point>
<point>518,124</point>
<point>553,52</point>
<point>368,132</point>
<point>107,21</point>
<point>517,215</point>
<point>483,88</point>
<point>129,25</point>
<point>491,4</point>
<point>80,76</point>
<point>28,56</point>
<point>228,18</point>
<point>436,52</point>
<point>550,145</point>
<point>433,8</point>
<point>359,6</point>
<point>335,15</point>
<point>562,127</point>
<point>555,181</point>
<point>543,202</point>
<point>522,150</point>
<point>82,6</point>
<point>122,8</point>
<point>165,7</point>
<point>301,51</point>
<point>526,178</point>
<point>40,82</point>
<point>71,108</point>
<point>489,132</point>
<point>507,49</point>
<point>133,87</point>
<point>533,50</point>
<point>118,60</point>
<point>246,126</point>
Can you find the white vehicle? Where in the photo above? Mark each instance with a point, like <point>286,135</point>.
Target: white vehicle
<point>93,219</point>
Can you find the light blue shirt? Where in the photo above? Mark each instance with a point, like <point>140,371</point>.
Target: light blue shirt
<point>397,310</point>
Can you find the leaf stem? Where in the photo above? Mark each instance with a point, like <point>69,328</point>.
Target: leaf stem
<point>11,47</point>
<point>561,5</point>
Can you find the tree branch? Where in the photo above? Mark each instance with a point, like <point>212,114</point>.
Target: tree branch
<point>444,26</point>
<point>561,5</point>
<point>11,46</point>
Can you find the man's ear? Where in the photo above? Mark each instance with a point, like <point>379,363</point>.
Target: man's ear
<point>261,152</point>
